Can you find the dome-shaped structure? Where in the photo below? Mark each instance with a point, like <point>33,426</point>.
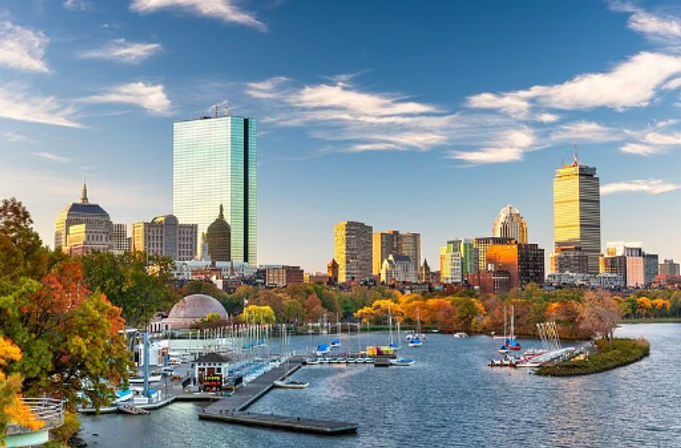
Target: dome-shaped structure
<point>510,224</point>
<point>218,238</point>
<point>193,308</point>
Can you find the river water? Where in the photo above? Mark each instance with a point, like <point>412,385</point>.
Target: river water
<point>448,398</point>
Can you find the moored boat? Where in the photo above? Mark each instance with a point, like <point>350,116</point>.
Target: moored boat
<point>291,384</point>
<point>403,362</point>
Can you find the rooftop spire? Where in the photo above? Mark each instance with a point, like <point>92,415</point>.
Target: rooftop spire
<point>576,159</point>
<point>221,215</point>
<point>83,193</point>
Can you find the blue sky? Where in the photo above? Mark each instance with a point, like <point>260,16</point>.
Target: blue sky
<point>425,119</point>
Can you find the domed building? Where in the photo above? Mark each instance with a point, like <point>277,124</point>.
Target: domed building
<point>218,238</point>
<point>192,309</point>
<point>510,224</point>
<point>83,227</point>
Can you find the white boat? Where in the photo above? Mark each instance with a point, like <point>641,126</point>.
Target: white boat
<point>417,338</point>
<point>291,384</point>
<point>123,395</point>
<point>460,334</point>
<point>402,362</point>
<point>415,342</point>
<point>311,361</point>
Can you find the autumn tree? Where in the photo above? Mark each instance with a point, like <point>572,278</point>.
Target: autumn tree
<point>599,314</point>
<point>256,315</point>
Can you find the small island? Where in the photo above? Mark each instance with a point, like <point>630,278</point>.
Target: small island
<point>610,354</point>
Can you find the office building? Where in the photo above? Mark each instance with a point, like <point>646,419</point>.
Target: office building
<point>165,236</point>
<point>279,276</point>
<point>481,244</point>
<point>669,268</point>
<point>392,242</point>
<point>451,263</point>
<point>353,251</point>
<point>577,215</point>
<point>83,227</point>
<point>214,163</point>
<point>121,240</point>
<point>523,262</point>
<point>510,224</point>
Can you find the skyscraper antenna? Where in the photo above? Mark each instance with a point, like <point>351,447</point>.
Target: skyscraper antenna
<point>226,109</point>
<point>216,110</point>
<point>576,159</point>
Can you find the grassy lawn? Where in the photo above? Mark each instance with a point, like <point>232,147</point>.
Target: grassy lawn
<point>608,356</point>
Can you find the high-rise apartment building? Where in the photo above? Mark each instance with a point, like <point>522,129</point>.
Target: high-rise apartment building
<point>393,242</point>
<point>669,268</point>
<point>164,235</point>
<point>121,241</point>
<point>451,263</point>
<point>214,163</point>
<point>510,224</point>
<point>577,213</point>
<point>353,251</point>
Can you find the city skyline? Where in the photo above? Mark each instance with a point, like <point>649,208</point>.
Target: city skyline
<point>100,99</point>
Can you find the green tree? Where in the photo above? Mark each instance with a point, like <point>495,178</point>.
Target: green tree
<point>256,314</point>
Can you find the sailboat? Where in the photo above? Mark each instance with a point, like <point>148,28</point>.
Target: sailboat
<point>504,348</point>
<point>511,342</point>
<point>395,345</point>
<point>288,383</point>
<point>416,339</point>
<point>336,342</point>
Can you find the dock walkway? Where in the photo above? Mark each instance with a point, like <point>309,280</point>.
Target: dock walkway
<point>232,409</point>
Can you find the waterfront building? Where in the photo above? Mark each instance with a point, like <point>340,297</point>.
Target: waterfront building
<point>278,276</point>
<point>165,236</point>
<point>510,224</point>
<point>218,239</point>
<point>482,243</point>
<point>669,268</point>
<point>332,270</point>
<point>121,240</point>
<point>353,251</point>
<point>577,215</point>
<point>524,262</point>
<point>451,263</point>
<point>398,268</point>
<point>392,242</point>
<point>214,163</point>
<point>83,227</point>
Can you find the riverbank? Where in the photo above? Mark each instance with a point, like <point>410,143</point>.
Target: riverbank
<point>653,320</point>
<point>609,355</point>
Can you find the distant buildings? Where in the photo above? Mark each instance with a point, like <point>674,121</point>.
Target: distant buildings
<point>577,219</point>
<point>669,268</point>
<point>398,268</point>
<point>215,162</point>
<point>628,260</point>
<point>510,224</point>
<point>280,276</point>
<point>392,242</point>
<point>83,227</point>
<point>523,262</point>
<point>319,278</point>
<point>332,270</point>
<point>353,251</point>
<point>121,240</point>
<point>458,258</point>
<point>165,236</point>
<point>491,281</point>
<point>569,279</point>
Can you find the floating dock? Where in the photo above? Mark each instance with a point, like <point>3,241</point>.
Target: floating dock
<point>232,409</point>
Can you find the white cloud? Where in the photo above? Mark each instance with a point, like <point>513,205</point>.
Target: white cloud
<point>658,27</point>
<point>150,97</point>
<point>120,50</point>
<point>13,137</point>
<point>18,103</point>
<point>510,147</point>
<point>547,118</point>
<point>632,83</point>
<point>649,186</point>
<point>585,131</point>
<point>22,48</point>
<point>672,84</point>
<point>77,5</point>
<point>224,10</point>
<point>51,156</point>
<point>641,149</point>
<point>659,138</point>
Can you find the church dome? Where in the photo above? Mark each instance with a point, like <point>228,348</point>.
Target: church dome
<point>193,308</point>
<point>218,237</point>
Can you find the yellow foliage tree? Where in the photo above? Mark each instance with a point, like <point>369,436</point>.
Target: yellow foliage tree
<point>12,409</point>
<point>644,305</point>
<point>256,314</point>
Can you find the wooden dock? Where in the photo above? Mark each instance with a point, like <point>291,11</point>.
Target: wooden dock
<point>232,409</point>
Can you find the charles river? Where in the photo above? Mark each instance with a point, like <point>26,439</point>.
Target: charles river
<point>448,398</point>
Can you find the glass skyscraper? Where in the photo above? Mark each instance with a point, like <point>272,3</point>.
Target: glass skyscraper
<point>577,217</point>
<point>214,163</point>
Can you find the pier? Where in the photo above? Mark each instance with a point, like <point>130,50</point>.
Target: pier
<point>232,409</point>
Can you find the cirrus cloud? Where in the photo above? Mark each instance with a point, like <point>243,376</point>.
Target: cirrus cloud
<point>121,50</point>
<point>22,48</point>
<point>151,97</point>
<point>224,10</point>
<point>649,186</point>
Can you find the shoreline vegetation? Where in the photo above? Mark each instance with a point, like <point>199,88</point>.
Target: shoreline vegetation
<point>609,355</point>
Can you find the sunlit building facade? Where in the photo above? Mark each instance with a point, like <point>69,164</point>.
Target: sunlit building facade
<point>394,242</point>
<point>523,262</point>
<point>482,243</point>
<point>510,224</point>
<point>577,214</point>
<point>214,163</point>
<point>353,252</point>
<point>165,236</point>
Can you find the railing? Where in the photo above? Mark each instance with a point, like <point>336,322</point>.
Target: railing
<point>48,410</point>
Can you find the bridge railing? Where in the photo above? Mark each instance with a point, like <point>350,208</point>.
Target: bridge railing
<point>48,410</point>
